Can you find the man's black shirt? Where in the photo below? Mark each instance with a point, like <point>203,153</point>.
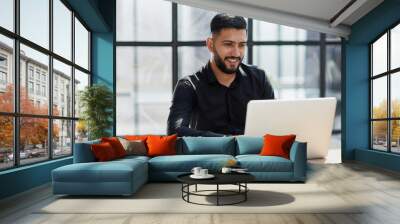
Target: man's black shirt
<point>201,106</point>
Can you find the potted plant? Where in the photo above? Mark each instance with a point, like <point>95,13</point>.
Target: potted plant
<point>96,103</point>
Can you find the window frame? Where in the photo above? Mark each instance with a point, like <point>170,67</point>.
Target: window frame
<point>388,74</point>
<point>323,42</point>
<point>16,114</point>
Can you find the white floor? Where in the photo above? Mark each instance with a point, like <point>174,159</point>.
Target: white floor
<point>377,189</point>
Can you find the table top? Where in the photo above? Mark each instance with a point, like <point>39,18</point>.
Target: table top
<point>220,178</point>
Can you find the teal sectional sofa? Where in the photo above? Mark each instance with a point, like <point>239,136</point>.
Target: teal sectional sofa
<point>125,176</point>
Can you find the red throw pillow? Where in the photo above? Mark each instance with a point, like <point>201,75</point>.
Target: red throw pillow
<point>136,137</point>
<point>116,145</point>
<point>103,151</point>
<point>277,145</point>
<point>161,145</point>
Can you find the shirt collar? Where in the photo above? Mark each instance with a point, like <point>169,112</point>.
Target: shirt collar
<point>210,74</point>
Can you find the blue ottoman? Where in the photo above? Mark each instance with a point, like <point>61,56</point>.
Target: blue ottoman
<point>118,177</point>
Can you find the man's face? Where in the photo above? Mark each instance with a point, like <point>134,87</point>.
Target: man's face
<point>228,48</point>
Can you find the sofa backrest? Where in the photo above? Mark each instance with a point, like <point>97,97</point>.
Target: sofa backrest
<point>239,145</point>
<point>83,152</point>
<point>248,145</point>
<point>206,145</point>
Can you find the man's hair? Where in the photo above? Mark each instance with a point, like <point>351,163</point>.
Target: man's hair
<point>223,20</point>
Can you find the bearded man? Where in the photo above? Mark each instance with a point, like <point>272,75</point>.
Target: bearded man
<point>213,101</point>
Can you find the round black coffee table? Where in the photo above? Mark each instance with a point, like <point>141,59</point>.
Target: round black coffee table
<point>238,179</point>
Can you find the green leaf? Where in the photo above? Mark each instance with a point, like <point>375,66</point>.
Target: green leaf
<point>96,102</point>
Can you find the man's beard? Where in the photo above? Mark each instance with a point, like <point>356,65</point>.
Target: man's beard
<point>221,65</point>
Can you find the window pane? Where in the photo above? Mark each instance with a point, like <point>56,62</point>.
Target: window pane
<point>191,59</point>
<point>6,74</point>
<point>264,31</point>
<point>379,97</point>
<point>35,21</point>
<point>81,132</point>
<point>379,135</point>
<point>293,70</point>
<point>395,94</point>
<point>34,72</point>
<point>144,89</point>
<point>62,29</point>
<point>33,139</point>
<point>6,142</point>
<point>81,45</point>
<point>144,20</point>
<point>333,79</point>
<point>81,81</point>
<point>62,141</point>
<point>395,136</point>
<point>7,14</point>
<point>379,55</point>
<point>193,23</point>
<point>395,47</point>
<point>62,89</point>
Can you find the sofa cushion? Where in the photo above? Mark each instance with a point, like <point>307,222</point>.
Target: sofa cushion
<point>208,145</point>
<point>275,145</point>
<point>134,147</point>
<point>248,145</point>
<point>112,171</point>
<point>103,152</point>
<point>161,145</point>
<point>257,163</point>
<point>131,158</point>
<point>135,137</point>
<point>93,172</point>
<point>185,163</point>
<point>116,145</point>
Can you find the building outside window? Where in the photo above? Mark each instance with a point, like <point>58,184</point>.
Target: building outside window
<point>38,89</point>
<point>37,75</point>
<point>3,72</point>
<point>44,77</point>
<point>56,134</point>
<point>30,87</point>
<point>3,77</point>
<point>43,90</point>
<point>30,72</point>
<point>3,61</point>
<point>3,80</point>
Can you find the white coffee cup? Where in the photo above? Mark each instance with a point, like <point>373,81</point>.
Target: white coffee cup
<point>196,170</point>
<point>226,170</point>
<point>203,172</point>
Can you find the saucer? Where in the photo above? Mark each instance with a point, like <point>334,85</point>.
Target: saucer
<point>208,176</point>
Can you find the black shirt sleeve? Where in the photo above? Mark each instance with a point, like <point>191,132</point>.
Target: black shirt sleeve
<point>183,103</point>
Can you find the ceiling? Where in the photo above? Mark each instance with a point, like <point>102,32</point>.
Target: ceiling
<point>326,16</point>
<point>321,9</point>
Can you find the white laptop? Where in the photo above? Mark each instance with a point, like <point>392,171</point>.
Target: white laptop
<point>311,120</point>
